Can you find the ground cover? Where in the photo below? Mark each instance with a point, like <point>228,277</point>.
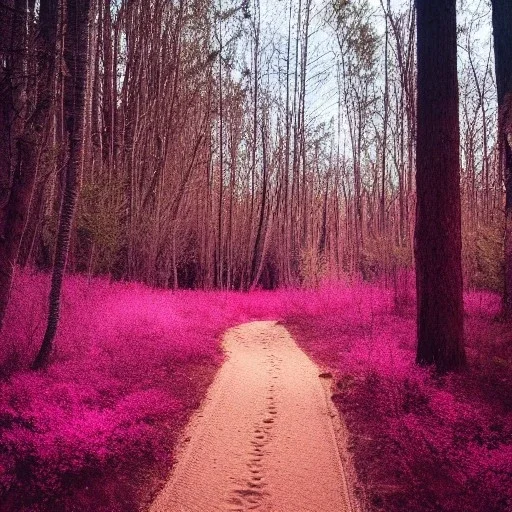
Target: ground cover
<point>96,430</point>
<point>420,443</point>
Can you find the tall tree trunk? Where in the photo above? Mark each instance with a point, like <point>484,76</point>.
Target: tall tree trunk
<point>23,157</point>
<point>219,270</point>
<point>438,215</point>
<point>6,106</point>
<point>382,216</point>
<point>258,251</point>
<point>502,31</point>
<point>75,55</point>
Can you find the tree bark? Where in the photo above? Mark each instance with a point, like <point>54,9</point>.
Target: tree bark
<point>75,55</point>
<point>502,32</point>
<point>26,140</point>
<point>438,213</point>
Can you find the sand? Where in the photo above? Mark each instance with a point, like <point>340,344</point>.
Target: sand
<point>264,438</point>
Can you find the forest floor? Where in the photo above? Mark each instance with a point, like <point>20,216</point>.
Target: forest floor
<point>98,429</point>
<point>264,439</point>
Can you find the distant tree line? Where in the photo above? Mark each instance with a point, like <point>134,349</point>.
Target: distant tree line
<point>178,143</point>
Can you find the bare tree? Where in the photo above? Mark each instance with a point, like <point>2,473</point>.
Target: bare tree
<point>438,211</point>
<point>501,23</point>
<point>75,54</point>
<point>22,127</point>
<point>209,157</point>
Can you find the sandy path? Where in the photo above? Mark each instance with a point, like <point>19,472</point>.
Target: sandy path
<point>264,438</point>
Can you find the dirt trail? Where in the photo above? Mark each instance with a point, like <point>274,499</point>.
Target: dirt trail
<point>264,438</point>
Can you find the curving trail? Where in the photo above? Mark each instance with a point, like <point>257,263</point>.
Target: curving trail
<point>264,438</point>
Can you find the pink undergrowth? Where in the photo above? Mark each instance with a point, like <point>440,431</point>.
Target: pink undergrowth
<point>96,430</point>
<point>130,365</point>
<point>419,442</point>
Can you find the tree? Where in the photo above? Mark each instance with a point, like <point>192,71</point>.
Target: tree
<point>75,56</point>
<point>438,213</point>
<point>22,126</point>
<point>358,44</point>
<point>209,157</point>
<point>501,23</point>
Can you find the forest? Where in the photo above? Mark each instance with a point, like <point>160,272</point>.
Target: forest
<point>171,169</point>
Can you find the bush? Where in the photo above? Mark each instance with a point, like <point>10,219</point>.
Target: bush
<point>484,258</point>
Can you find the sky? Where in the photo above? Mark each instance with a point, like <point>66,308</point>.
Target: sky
<point>322,87</point>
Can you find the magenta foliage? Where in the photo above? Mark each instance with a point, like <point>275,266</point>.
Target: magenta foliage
<point>421,442</point>
<point>130,365</point>
<point>96,429</point>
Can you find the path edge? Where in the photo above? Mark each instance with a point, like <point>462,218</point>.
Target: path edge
<point>340,432</point>
<point>341,436</point>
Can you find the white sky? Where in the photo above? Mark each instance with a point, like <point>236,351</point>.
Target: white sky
<point>322,87</point>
